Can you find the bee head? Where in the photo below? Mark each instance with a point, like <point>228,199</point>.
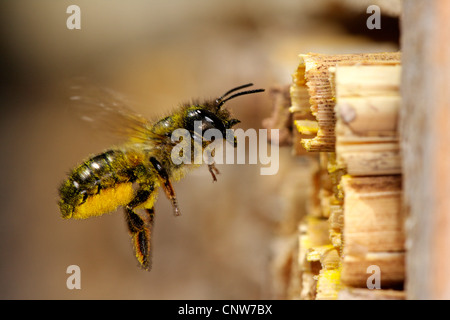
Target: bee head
<point>211,115</point>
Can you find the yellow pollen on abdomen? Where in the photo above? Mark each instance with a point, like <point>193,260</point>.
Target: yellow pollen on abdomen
<point>106,201</point>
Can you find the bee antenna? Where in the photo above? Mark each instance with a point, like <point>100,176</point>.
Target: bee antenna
<point>235,89</point>
<point>220,101</point>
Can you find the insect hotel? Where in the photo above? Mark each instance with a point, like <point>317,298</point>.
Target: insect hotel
<point>374,128</point>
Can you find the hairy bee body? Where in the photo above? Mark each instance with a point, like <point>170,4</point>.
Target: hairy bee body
<point>130,176</point>
<point>102,183</point>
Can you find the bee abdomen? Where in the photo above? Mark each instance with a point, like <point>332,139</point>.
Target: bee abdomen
<point>105,174</point>
<point>97,170</point>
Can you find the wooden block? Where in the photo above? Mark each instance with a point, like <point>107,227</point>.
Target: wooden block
<point>313,236</point>
<point>313,72</point>
<point>371,294</point>
<point>336,224</point>
<point>308,289</point>
<point>328,284</point>
<point>370,159</point>
<point>317,231</point>
<point>328,279</point>
<point>367,111</point>
<point>391,265</point>
<point>373,219</point>
<point>303,128</point>
<point>362,119</point>
<point>425,124</point>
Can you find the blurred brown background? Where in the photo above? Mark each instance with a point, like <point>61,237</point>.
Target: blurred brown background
<point>158,54</point>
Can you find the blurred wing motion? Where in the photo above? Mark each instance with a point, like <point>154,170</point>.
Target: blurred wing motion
<point>108,111</point>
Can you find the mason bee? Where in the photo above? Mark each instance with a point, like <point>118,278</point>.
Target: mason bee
<point>130,175</point>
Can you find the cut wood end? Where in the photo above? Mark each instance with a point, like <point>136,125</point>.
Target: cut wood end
<point>308,127</point>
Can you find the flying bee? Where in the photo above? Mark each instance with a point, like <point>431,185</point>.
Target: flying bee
<point>130,176</point>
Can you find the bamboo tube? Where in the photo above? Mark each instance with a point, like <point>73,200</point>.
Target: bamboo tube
<point>370,159</point>
<point>313,73</point>
<point>329,279</point>
<point>374,221</point>
<point>367,294</point>
<point>313,236</point>
<point>373,230</point>
<point>367,107</point>
<point>356,269</point>
<point>358,223</point>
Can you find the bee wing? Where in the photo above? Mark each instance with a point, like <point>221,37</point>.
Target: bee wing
<point>108,111</point>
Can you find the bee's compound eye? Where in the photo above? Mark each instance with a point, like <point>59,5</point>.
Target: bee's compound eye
<point>207,119</point>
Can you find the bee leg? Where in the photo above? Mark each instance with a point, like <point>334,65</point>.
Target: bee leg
<point>167,185</point>
<point>211,164</point>
<point>213,170</point>
<point>140,231</point>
